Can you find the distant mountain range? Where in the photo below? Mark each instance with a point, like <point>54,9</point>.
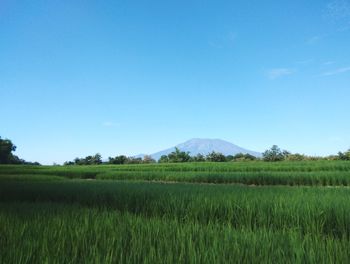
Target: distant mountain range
<point>204,146</point>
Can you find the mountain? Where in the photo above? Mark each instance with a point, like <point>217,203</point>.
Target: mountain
<point>205,146</point>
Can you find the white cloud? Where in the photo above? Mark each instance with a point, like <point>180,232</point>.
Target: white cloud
<point>304,61</point>
<point>337,71</point>
<point>110,124</point>
<point>278,72</point>
<point>328,63</point>
<point>338,9</point>
<point>313,40</point>
<point>338,12</point>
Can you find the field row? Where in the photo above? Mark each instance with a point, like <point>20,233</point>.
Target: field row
<point>321,211</point>
<point>120,214</point>
<point>60,233</point>
<point>325,173</point>
<point>321,165</point>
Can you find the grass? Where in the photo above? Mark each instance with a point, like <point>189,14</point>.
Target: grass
<point>71,234</point>
<point>326,210</point>
<point>54,215</point>
<point>326,173</point>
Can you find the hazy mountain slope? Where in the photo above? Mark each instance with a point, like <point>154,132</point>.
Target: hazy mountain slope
<point>205,146</point>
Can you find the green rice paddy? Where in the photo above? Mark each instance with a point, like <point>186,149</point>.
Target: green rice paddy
<point>288,212</point>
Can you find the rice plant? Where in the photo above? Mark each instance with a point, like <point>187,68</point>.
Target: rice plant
<point>165,214</point>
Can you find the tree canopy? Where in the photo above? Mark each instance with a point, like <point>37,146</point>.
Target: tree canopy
<point>6,148</point>
<point>271,155</point>
<point>274,154</point>
<point>6,155</point>
<point>216,157</point>
<point>179,156</point>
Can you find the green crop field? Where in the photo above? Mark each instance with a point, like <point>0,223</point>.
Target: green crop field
<point>238,212</point>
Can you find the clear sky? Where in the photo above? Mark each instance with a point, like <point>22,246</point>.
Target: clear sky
<point>130,77</point>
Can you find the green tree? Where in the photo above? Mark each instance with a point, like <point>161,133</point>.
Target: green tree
<point>6,148</point>
<point>344,155</point>
<point>295,157</point>
<point>88,160</point>
<point>122,159</point>
<point>274,154</point>
<point>163,159</point>
<point>132,160</point>
<point>179,156</point>
<point>229,158</point>
<point>6,155</point>
<point>216,157</point>
<point>198,158</point>
<point>243,157</point>
<point>148,159</point>
<point>96,159</point>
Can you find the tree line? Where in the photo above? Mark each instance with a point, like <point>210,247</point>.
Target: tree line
<point>122,159</point>
<point>271,155</point>
<point>174,157</point>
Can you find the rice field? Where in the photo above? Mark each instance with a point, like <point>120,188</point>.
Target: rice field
<point>325,173</point>
<point>123,214</point>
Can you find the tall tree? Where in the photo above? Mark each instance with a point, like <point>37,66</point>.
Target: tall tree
<point>274,154</point>
<point>179,156</point>
<point>6,148</point>
<point>216,157</point>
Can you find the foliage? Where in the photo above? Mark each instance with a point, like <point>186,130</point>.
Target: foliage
<point>320,172</point>
<point>147,159</point>
<point>6,155</point>
<point>179,156</point>
<point>132,160</point>
<point>122,159</point>
<point>216,157</point>
<point>118,160</point>
<point>164,159</point>
<point>6,148</point>
<point>344,155</point>
<point>88,160</point>
<point>198,158</point>
<point>243,157</point>
<point>295,157</point>
<point>274,154</point>
<point>65,221</point>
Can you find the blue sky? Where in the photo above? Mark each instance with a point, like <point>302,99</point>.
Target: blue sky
<point>129,77</point>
